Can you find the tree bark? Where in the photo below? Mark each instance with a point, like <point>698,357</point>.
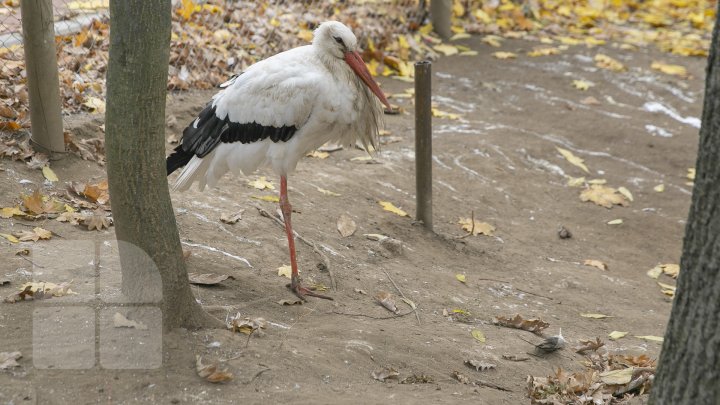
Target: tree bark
<point>153,269</point>
<point>689,369</point>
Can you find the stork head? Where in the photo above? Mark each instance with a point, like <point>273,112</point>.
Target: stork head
<point>335,40</point>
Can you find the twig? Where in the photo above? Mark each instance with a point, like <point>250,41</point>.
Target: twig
<point>401,294</point>
<point>258,374</point>
<point>491,385</point>
<point>472,228</point>
<point>323,257</point>
<point>372,317</point>
<point>511,284</point>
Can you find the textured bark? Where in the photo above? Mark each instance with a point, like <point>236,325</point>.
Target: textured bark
<point>689,369</point>
<point>150,250</point>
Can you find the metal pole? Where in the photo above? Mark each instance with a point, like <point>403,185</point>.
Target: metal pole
<point>440,15</point>
<point>42,74</point>
<point>423,143</point>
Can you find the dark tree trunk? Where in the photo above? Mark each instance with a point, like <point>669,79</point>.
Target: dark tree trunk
<point>153,269</point>
<point>689,369</point>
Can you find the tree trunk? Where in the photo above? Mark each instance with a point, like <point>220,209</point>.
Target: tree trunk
<point>689,369</point>
<point>153,269</point>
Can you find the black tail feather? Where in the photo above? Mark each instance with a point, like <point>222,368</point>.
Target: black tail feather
<point>178,159</point>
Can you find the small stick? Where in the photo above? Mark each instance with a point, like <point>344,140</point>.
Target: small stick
<point>521,290</point>
<point>472,228</point>
<point>401,294</point>
<point>325,260</point>
<point>491,385</point>
<point>373,317</point>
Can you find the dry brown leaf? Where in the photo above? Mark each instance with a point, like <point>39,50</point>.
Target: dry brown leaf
<point>247,326</point>
<point>120,321</point>
<point>532,325</point>
<point>36,234</point>
<point>603,196</point>
<point>387,300</point>
<point>345,225</point>
<point>207,278</point>
<point>97,220</point>
<point>231,218</point>
<point>476,227</point>
<point>596,263</point>
<point>386,373</point>
<point>9,360</point>
<point>589,345</point>
<point>480,365</point>
<point>211,372</point>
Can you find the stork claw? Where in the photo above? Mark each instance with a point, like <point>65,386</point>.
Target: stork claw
<point>303,292</point>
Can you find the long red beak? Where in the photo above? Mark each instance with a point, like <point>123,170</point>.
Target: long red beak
<point>358,66</point>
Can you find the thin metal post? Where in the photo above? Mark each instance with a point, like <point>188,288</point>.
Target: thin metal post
<point>441,15</point>
<point>42,74</point>
<point>423,143</point>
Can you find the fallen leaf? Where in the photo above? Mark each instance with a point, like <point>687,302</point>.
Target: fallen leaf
<point>376,236</point>
<point>9,212</point>
<point>626,193</point>
<point>603,196</point>
<point>504,55</point>
<point>328,192</point>
<point>388,206</point>
<point>691,173</point>
<point>268,198</point>
<point>318,154</point>
<point>615,335</point>
<point>247,326</point>
<point>531,325</point>
<point>36,234</point>
<point>359,291</point>
<point>579,162</point>
<point>10,238</point>
<point>98,219</point>
<point>444,114</point>
<point>606,62</point>
<point>478,335</point>
<point>361,158</point>
<point>211,372</point>
<point>49,174</point>
<point>386,373</point>
<point>261,184</point>
<point>575,181</point>
<point>345,225</point>
<point>120,321</point>
<point>582,84</point>
<point>514,357</point>
<point>386,300</point>
<point>615,222</point>
<point>675,70</point>
<point>595,316</point>
<point>9,360</point>
<point>95,105</point>
<point>544,51</point>
<point>667,289</point>
<point>492,40</point>
<point>460,377</point>
<point>417,379</point>
<point>659,188</point>
<point>207,278</point>
<point>597,181</point>
<point>285,271</point>
<point>617,377</point>
<point>589,346</point>
<point>460,278</point>
<point>655,272</point>
<point>231,218</point>
<point>590,100</point>
<point>672,270</point>
<point>447,50</point>
<point>596,263</point>
<point>651,338</point>
<point>480,365</point>
<point>476,227</point>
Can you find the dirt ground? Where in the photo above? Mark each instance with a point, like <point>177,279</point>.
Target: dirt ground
<point>498,160</point>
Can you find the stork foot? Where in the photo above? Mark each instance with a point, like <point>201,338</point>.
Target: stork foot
<point>303,292</point>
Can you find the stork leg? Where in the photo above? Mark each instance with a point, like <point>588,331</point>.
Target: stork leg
<point>286,209</point>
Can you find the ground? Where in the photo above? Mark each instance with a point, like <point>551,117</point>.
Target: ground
<point>498,160</point>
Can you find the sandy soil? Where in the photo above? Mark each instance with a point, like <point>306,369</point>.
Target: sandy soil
<point>499,160</point>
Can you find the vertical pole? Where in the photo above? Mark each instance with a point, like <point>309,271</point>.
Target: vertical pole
<point>42,74</point>
<point>423,143</point>
<point>441,15</point>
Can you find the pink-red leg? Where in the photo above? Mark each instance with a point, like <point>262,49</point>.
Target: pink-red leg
<point>286,209</point>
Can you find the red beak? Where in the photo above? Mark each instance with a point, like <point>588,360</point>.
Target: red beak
<point>358,66</point>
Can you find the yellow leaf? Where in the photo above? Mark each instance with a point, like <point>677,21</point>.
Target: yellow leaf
<point>328,192</point>
<point>504,55</point>
<point>468,53</point>
<point>460,278</point>
<point>595,316</point>
<point>305,34</point>
<point>460,35</point>
<point>671,270</point>
<point>318,154</point>
<point>691,173</point>
<point>615,222</point>
<point>651,338</point>
<point>544,51</point>
<point>458,9</point>
<point>569,41</point>
<point>10,238</point>
<point>597,181</point>
<point>573,159</point>
<point>625,192</point>
<point>659,188</point>
<point>675,70</point>
<point>492,40</point>
<point>388,206</point>
<point>443,114</point>
<point>667,289</point>
<point>268,198</point>
<point>576,181</point>
<point>95,105</point>
<point>9,212</point>
<point>49,173</point>
<point>606,62</point>
<point>261,184</point>
<point>361,158</point>
<point>446,50</point>
<point>655,272</point>
<point>478,335</point>
<point>285,271</point>
<point>615,335</point>
<point>596,263</point>
<point>476,227</point>
<point>603,196</point>
<point>617,377</point>
<point>582,84</point>
<point>482,16</point>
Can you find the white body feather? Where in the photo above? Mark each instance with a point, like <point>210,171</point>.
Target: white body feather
<point>318,94</point>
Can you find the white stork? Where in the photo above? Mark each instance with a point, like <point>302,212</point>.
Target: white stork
<point>277,111</point>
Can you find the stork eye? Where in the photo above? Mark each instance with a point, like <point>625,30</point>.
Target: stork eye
<point>339,41</point>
